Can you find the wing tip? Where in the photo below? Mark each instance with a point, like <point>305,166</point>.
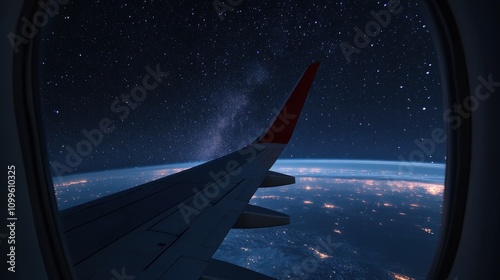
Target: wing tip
<point>281,129</point>
<point>315,64</point>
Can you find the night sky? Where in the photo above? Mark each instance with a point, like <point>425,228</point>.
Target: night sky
<point>226,77</point>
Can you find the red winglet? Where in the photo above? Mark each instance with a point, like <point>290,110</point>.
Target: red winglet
<point>281,128</point>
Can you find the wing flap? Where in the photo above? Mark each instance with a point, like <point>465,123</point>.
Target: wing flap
<point>218,233</point>
<point>137,250</point>
<point>111,226</point>
<point>190,268</point>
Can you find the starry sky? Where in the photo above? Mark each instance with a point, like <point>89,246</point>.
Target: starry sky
<point>226,74</point>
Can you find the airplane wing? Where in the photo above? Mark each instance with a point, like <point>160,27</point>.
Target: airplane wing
<point>170,228</point>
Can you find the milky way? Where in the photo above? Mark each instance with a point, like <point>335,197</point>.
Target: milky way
<point>226,77</point>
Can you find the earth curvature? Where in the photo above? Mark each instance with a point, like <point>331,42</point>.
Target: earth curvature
<point>350,219</point>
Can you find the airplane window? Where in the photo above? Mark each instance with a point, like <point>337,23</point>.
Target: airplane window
<point>133,92</point>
